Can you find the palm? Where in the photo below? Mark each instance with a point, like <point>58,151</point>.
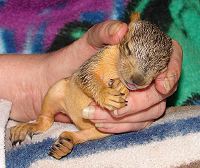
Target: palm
<point>26,95</point>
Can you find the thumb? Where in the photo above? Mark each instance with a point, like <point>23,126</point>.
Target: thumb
<point>108,32</point>
<point>166,81</point>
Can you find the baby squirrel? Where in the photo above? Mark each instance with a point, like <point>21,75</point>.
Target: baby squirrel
<point>105,78</point>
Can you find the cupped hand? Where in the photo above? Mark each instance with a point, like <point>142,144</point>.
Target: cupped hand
<point>144,106</point>
<point>28,77</point>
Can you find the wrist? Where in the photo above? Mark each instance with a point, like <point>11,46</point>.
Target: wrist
<point>64,62</point>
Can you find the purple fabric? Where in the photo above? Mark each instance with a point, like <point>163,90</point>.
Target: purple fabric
<point>27,17</point>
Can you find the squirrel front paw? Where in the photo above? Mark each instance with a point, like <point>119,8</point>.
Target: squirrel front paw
<point>114,96</point>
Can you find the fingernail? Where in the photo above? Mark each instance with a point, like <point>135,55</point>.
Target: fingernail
<point>174,77</point>
<point>88,112</point>
<point>122,111</point>
<point>147,124</point>
<point>99,125</point>
<point>115,112</point>
<point>166,85</point>
<point>114,28</point>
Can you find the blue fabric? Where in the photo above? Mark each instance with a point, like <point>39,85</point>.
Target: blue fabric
<point>8,37</point>
<point>93,17</point>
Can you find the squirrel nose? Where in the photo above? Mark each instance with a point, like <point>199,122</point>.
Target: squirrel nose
<point>138,79</point>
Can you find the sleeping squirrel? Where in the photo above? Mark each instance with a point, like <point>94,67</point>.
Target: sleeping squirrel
<point>105,78</point>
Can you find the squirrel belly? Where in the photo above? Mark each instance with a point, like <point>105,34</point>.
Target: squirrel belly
<point>87,85</point>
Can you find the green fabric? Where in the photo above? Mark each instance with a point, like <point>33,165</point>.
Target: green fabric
<point>184,26</point>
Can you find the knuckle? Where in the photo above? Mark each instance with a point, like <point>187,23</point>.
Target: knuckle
<point>132,106</point>
<point>175,74</point>
<point>152,96</point>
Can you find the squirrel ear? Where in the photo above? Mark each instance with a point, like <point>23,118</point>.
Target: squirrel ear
<point>135,16</point>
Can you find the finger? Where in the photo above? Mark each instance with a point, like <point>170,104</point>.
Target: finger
<point>167,80</point>
<point>140,100</point>
<point>60,117</point>
<point>93,112</point>
<point>122,127</point>
<point>108,32</point>
<point>102,116</point>
<point>152,113</point>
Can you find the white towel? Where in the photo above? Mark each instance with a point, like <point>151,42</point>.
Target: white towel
<point>5,107</point>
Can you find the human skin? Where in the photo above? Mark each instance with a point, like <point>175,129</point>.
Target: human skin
<point>24,80</point>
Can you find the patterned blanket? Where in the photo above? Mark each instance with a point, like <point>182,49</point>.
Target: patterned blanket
<point>39,26</point>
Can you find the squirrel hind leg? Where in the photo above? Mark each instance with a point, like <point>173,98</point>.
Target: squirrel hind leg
<point>52,104</point>
<point>67,140</point>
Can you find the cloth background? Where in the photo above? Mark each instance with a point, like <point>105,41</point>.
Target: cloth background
<point>39,26</point>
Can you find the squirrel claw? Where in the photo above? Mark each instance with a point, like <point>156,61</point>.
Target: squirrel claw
<point>114,96</point>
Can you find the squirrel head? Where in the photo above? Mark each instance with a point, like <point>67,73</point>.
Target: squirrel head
<point>144,52</point>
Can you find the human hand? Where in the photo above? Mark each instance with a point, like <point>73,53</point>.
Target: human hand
<point>144,106</point>
<point>28,78</point>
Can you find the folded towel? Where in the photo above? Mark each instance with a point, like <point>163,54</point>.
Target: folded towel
<point>171,141</point>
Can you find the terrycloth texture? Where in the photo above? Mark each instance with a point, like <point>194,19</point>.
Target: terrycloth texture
<point>170,142</point>
<point>5,107</point>
<point>37,26</point>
